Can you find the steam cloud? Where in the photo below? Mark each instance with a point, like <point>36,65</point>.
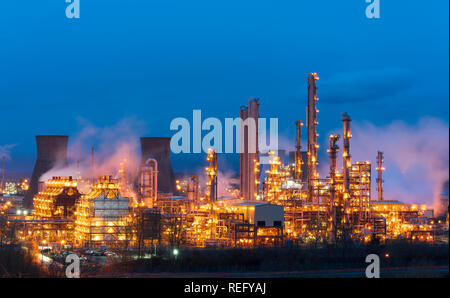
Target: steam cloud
<point>416,158</point>
<point>225,180</point>
<point>112,144</point>
<point>5,151</point>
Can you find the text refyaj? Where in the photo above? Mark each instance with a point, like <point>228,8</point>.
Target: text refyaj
<point>233,287</point>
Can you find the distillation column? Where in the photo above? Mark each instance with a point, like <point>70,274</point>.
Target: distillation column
<point>2,186</point>
<point>298,147</point>
<point>193,191</point>
<point>380,169</point>
<point>333,151</point>
<point>211,172</point>
<point>347,165</point>
<point>311,116</point>
<point>148,182</point>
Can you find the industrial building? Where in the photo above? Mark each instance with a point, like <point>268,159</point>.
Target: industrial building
<point>284,202</point>
<point>104,217</point>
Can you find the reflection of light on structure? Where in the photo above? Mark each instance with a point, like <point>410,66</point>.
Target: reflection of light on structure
<point>380,169</point>
<point>53,213</point>
<point>347,161</point>
<point>104,216</point>
<point>58,199</point>
<point>311,124</point>
<point>10,188</point>
<point>403,220</point>
<point>211,172</point>
<point>332,151</point>
<point>298,147</point>
<point>193,191</point>
<point>148,182</point>
<point>24,185</point>
<point>274,180</point>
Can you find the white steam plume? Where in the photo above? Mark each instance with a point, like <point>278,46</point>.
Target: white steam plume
<point>416,157</point>
<point>112,144</point>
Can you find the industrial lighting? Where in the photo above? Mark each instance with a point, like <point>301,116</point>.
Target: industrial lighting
<point>332,208</point>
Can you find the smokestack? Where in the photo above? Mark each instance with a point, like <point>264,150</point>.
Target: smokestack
<point>159,149</point>
<point>249,159</point>
<point>244,154</point>
<point>51,152</point>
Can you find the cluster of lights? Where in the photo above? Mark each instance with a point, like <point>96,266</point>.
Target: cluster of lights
<point>21,212</point>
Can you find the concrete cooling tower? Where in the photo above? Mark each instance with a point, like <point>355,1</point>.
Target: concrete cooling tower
<point>51,152</point>
<point>159,149</point>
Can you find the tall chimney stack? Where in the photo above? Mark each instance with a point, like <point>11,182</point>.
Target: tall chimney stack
<point>249,158</point>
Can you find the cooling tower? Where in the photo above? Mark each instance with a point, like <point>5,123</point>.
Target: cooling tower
<point>51,152</point>
<point>159,149</point>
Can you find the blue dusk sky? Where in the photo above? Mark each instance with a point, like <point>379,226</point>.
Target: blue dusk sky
<point>152,61</point>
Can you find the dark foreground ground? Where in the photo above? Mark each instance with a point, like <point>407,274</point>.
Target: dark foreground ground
<point>400,259</point>
<point>396,260</point>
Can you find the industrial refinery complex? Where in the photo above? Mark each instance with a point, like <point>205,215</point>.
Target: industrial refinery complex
<point>291,205</point>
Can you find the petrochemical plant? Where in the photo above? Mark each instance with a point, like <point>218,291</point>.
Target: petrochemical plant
<point>292,205</point>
